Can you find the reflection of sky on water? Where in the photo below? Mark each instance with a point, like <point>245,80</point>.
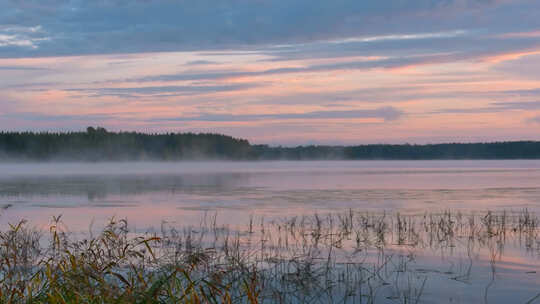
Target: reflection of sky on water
<point>454,277</point>
<point>182,193</point>
<point>147,193</point>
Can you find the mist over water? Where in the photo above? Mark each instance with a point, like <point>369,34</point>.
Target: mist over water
<point>182,192</point>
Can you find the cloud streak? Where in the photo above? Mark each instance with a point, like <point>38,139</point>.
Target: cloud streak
<point>535,119</point>
<point>385,113</point>
<point>496,107</point>
<point>53,28</point>
<point>59,118</point>
<point>20,68</point>
<point>358,64</point>
<point>166,91</point>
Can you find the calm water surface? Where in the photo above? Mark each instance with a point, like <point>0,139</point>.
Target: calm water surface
<point>147,193</point>
<point>182,194</point>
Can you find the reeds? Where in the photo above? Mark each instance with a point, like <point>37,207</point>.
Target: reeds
<point>349,257</point>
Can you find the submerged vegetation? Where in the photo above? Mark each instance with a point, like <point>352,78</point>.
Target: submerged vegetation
<point>98,144</point>
<point>349,257</point>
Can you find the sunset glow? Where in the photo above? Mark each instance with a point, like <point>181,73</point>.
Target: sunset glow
<point>386,79</point>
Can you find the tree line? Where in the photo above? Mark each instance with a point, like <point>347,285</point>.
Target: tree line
<point>98,144</point>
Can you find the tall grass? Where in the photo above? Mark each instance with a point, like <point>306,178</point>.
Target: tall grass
<point>346,257</point>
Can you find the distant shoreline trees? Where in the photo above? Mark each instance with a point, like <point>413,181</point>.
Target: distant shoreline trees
<point>98,144</point>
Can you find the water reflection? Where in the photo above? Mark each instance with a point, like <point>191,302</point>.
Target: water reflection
<point>148,193</point>
<point>96,187</point>
<point>460,269</point>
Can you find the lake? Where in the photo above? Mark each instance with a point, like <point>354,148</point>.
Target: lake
<point>186,194</point>
<point>147,193</point>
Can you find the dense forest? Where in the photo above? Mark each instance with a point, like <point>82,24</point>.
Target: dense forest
<point>98,144</point>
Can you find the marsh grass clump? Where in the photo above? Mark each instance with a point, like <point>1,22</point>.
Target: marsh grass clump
<point>109,268</point>
<point>349,257</point>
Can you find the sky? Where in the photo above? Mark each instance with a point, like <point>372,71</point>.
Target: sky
<point>292,72</point>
